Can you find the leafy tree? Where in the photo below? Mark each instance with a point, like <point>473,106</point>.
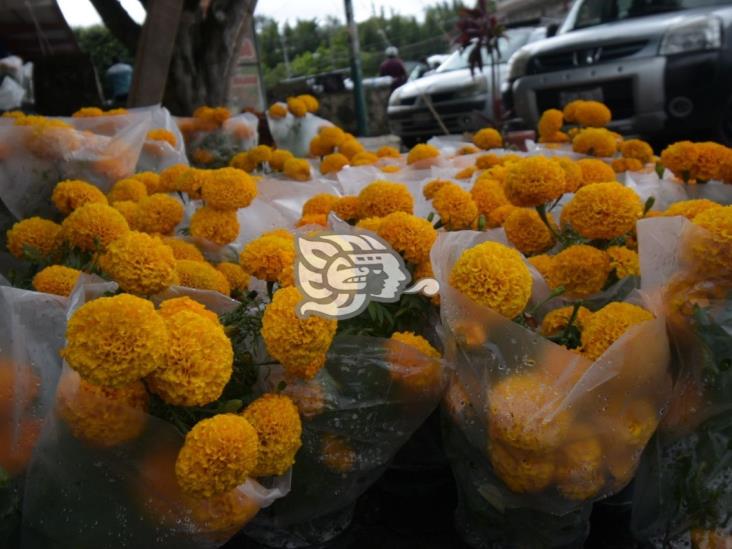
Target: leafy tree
<point>101,46</point>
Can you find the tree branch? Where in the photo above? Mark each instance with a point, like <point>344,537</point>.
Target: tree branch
<point>119,22</point>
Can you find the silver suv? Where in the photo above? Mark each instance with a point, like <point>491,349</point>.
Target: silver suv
<point>659,65</point>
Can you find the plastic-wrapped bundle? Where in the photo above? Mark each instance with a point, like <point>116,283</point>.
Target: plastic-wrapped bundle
<point>357,412</point>
<point>212,141</point>
<point>535,431</point>
<point>162,148</point>
<point>294,134</point>
<point>684,485</point>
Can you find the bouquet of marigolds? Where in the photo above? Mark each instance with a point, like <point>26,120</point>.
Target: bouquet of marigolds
<point>164,145</point>
<point>293,124</point>
<point>684,487</point>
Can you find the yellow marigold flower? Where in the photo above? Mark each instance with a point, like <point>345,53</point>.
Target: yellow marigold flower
<point>158,214</point>
<point>636,424</point>
<point>297,107</point>
<point>620,165</point>
<point>94,226</point>
<point>350,147</point>
<point>523,413</point>
<point>198,364</point>
<point>192,181</point>
<point>218,455</point>
<point>171,307</point>
<point>390,168</point>
<point>102,416</point>
<point>580,473</point>
<point>228,189</point>
<point>337,455</point>
<point>422,151</point>
<point>332,136</point>
<point>499,215</point>
<point>319,147</point>
<point>370,224</point>
<point>554,138</point>
<point>409,235</point>
<point>542,263</point>
<point>623,261</point>
<point>141,264</point>
<point>520,470</point>
<point>151,180</point>
<point>637,149</point>
<point>380,198</point>
<point>456,207</point>
<point>312,219</point>
<point>488,195</point>
<point>277,422</point>
<point>606,326</point>
<point>680,158</point>
<point>182,249</point>
<point>525,230</point>
<point>297,169</point>
<point>420,371</point>
<point>216,115</point>
<point>347,207</point>
<point>319,204</point>
<point>242,161</point>
<point>495,276</point>
<point>364,158</point>
<point>300,345</point>
<point>466,150</point>
<point>238,279</point>
<point>711,253</point>
<point>333,163</point>
<point>311,103</point>
<point>388,152</point>
<point>129,211</point>
<point>219,227</point>
<point>277,110</point>
<point>432,187</point>
<point>278,159</point>
<point>488,138</point>
<point>287,277</point>
<point>690,208</point>
<point>309,396</point>
<point>497,172</point>
<point>38,236</point>
<point>465,173</point>
<point>603,210</point>
<point>222,516</point>
<point>260,154</point>
<point>595,142</point>
<point>201,275</point>
<point>56,279</point>
<point>127,189</point>
<point>161,134</point>
<point>88,112</point>
<point>570,110</point>
<point>573,176</point>
<point>556,321</point>
<point>709,158</point>
<point>72,193</point>
<point>487,161</point>
<point>534,181</point>
<point>581,270</point>
<point>267,256</point>
<point>114,341</point>
<point>16,115</point>
<point>595,171</point>
<point>551,122</point>
<point>592,113</point>
<point>169,178</point>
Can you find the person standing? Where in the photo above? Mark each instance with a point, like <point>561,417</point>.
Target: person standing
<point>118,80</point>
<point>394,67</point>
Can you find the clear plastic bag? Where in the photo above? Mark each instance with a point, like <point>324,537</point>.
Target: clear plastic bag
<point>294,134</point>
<point>221,142</point>
<point>157,155</point>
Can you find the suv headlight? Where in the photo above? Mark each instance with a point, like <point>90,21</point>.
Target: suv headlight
<point>692,34</point>
<point>517,64</point>
<point>479,86</point>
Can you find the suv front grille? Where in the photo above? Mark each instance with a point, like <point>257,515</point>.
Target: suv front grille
<point>584,57</point>
<point>617,95</point>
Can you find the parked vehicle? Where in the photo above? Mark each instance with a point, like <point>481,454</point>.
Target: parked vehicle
<point>452,100</point>
<point>661,66</point>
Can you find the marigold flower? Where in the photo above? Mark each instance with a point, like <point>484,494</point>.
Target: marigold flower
<point>300,345</point>
<point>595,142</point>
<point>370,224</point>
<point>94,226</point>
<point>364,158</point>
<point>534,181</point>
<point>422,152</point>
<point>201,275</point>
<point>333,163</point>
<point>711,252</point>
<point>218,455</point>
<point>466,150</point>
<point>525,230</point>
<point>159,214</point>
<point>127,189</point>
<point>238,279</point>
<point>579,470</point>
<point>198,364</point>
<point>297,169</point>
<point>420,372</point>
<point>278,159</point>
<point>620,165</point>
<point>319,147</point>
<point>456,207</point>
<point>432,187</point>
<point>551,122</point>
<point>277,422</point>
<point>499,215</point>
<point>277,110</point>
<point>161,134</point>
<point>211,117</point>
<point>710,156</point>
<point>570,110</point>
<point>556,321</point>
<point>56,279</point>
<point>88,112</point>
<point>346,208</point>
<point>72,193</point>
<point>520,470</point>
<point>608,324</point>
<point>321,203</point>
<point>603,210</point>
<point>129,211</point>
<point>465,173</point>
<point>592,113</point>
<point>495,276</point>
<point>523,411</point>
<point>595,171</point>
<point>217,226</point>
<point>390,168</point>
<point>487,161</point>
<point>690,208</point>
<point>114,341</point>
<point>623,261</point>
<point>228,189</point>
<point>331,136</point>
<point>337,455</point>
<point>182,249</point>
<point>573,177</point>
<point>192,181</point>
<point>102,416</point>
<point>380,198</point>
<point>267,256</point>
<point>151,180</point>
<point>312,219</point>
<point>488,138</point>
<point>260,154</point>
<point>141,264</point>
<point>680,158</point>
<point>637,149</point>
<point>170,178</point>
<point>580,269</point>
<point>350,147</point>
<point>38,236</point>
<point>409,235</point>
<point>388,152</point>
<point>297,107</point>
<point>171,307</point>
<point>242,161</point>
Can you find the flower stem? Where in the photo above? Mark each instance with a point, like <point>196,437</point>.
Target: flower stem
<point>541,210</point>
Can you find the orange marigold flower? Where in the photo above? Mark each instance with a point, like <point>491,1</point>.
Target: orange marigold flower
<point>551,122</point>
<point>595,142</point>
<point>277,110</point>
<point>580,269</point>
<point>56,279</point>
<point>603,210</point>
<point>129,211</point>
<point>268,256</point>
<point>39,237</point>
<point>364,158</point>
<point>201,275</point>
<point>711,252</point>
<point>331,136</point>
<point>260,154</point>
<point>421,152</point>
<point>525,230</point>
<point>606,326</point>
<point>370,224</point>
<point>333,163</point>
<point>312,219</point>
<point>595,171</point>
<point>173,306</point>
<point>637,149</point>
<point>570,110</point>
<point>298,169</point>
<point>430,189</point>
<point>488,138</point>
<point>228,189</point>
<point>127,189</point>
<point>350,147</point>
<point>72,193</point>
<point>242,161</point>
<point>94,226</point>
<point>346,208</point>
<point>388,152</point>
<point>573,176</point>
<point>161,134</point>
<point>277,160</point>
<point>465,173</point>
<point>182,249</point>
<point>710,156</point>
<point>488,195</point>
<point>620,165</point>
<point>151,180</point>
<point>534,181</point>
<point>321,203</point>
<point>203,156</point>
<point>556,321</point>
<point>690,208</point>
<point>592,113</point>
<point>380,198</point>
<point>238,279</point>
<point>170,178</point>
<point>680,158</point>
<point>220,227</point>
<point>297,107</point>
<point>409,235</point>
<point>487,161</point>
<point>623,262</point>
<point>88,112</point>
<point>456,207</point>
<point>499,215</point>
<point>543,264</point>
<point>158,214</point>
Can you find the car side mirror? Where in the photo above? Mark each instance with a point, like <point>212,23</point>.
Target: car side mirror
<point>551,29</point>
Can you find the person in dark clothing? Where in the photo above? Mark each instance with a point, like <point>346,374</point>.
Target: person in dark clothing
<point>394,67</point>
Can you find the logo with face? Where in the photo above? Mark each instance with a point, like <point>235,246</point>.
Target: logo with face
<point>339,274</point>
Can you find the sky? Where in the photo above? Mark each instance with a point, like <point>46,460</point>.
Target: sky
<point>80,13</point>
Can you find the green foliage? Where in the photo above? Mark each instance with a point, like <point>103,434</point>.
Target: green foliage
<point>102,47</point>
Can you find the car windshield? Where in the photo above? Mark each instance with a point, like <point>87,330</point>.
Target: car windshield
<point>597,12</point>
<point>515,38</point>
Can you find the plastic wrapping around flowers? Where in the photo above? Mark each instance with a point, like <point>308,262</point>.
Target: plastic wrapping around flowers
<point>295,133</point>
<point>536,431</point>
<point>213,136</point>
<point>684,485</point>
<point>164,144</point>
<point>104,471</point>
<point>39,152</point>
<point>371,395</point>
